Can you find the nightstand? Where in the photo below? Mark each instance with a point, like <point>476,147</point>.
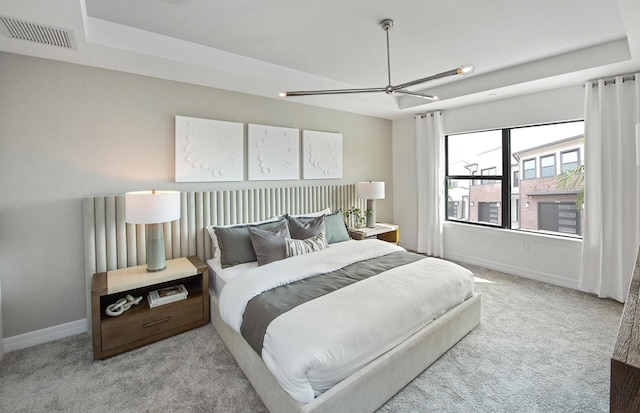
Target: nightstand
<point>385,232</point>
<point>142,325</point>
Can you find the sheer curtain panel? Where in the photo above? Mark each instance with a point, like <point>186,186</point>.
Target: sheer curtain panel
<point>612,194</point>
<point>430,179</point>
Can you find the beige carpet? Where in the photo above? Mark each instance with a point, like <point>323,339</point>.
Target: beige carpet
<point>539,348</point>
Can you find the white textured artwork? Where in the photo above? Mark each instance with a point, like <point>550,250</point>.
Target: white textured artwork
<point>208,150</point>
<point>273,153</point>
<point>321,155</point>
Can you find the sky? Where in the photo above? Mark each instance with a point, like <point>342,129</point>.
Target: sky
<point>465,148</point>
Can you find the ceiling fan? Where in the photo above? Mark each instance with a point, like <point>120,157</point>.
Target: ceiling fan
<point>386,25</point>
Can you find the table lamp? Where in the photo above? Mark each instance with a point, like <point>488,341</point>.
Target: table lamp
<point>152,208</point>
<point>370,191</point>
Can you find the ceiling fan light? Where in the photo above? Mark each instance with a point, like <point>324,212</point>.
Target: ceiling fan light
<point>466,70</point>
<point>282,94</point>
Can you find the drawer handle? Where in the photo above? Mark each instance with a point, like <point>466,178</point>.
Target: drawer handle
<point>156,322</point>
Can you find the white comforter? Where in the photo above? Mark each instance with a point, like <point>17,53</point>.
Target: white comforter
<point>317,344</point>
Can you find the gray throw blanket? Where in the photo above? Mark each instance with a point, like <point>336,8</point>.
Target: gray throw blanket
<point>264,308</point>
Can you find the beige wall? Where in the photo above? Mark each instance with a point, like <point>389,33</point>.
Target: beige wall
<point>72,131</point>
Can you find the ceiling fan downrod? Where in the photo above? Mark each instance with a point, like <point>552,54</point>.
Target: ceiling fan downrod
<point>386,25</point>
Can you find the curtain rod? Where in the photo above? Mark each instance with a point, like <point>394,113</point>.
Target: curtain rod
<point>424,115</point>
<point>625,78</point>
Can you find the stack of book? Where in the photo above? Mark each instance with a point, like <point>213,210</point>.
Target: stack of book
<point>167,295</point>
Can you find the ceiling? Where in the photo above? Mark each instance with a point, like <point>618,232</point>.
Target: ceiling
<point>265,47</point>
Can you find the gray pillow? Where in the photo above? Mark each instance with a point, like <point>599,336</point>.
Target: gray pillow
<point>235,243</point>
<point>270,245</point>
<point>335,228</point>
<point>303,228</point>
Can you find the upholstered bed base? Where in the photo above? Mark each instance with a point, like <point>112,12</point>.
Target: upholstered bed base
<point>371,386</point>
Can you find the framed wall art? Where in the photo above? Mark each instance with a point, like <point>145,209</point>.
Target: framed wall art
<point>208,150</point>
<point>321,155</point>
<point>273,153</point>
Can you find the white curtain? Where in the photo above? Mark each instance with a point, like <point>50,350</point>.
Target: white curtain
<point>430,179</point>
<point>612,195</point>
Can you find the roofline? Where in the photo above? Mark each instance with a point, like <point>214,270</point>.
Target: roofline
<point>549,144</point>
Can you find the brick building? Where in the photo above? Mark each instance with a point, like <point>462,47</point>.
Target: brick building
<point>538,200</point>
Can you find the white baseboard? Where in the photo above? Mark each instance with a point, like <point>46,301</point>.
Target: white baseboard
<point>514,270</point>
<point>34,338</point>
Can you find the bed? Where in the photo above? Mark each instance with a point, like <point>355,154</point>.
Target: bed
<point>110,244</point>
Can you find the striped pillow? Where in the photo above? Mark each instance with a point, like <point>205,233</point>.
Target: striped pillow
<point>302,246</point>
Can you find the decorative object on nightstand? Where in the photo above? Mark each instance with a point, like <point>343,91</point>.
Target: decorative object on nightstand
<point>167,295</point>
<point>370,191</point>
<point>354,216</point>
<point>122,305</point>
<point>152,208</point>
<point>385,232</point>
<point>143,323</point>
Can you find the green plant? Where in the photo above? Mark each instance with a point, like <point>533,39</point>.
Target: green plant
<point>573,179</point>
<point>356,216</point>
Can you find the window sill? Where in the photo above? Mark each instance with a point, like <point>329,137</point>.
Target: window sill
<point>565,241</point>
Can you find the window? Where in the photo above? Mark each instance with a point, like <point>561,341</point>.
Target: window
<point>517,196</point>
<point>488,172</point>
<point>529,168</point>
<point>548,166</point>
<point>464,166</point>
<point>569,160</point>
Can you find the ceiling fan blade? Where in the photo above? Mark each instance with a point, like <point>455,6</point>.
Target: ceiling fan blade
<point>386,25</point>
<point>420,95</point>
<point>453,72</point>
<point>329,92</point>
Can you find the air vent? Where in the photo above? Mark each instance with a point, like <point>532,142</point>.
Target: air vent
<point>38,33</point>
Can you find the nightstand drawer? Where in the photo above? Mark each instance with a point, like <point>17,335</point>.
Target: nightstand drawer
<point>134,327</point>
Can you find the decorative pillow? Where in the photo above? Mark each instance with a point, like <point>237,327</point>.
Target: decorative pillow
<point>235,243</point>
<point>211,229</point>
<point>303,228</point>
<point>335,228</point>
<point>325,211</point>
<point>304,246</point>
<point>269,245</point>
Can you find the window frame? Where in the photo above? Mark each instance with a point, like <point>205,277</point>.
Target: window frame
<point>491,169</point>
<point>577,151</point>
<point>524,170</point>
<point>542,167</point>
<point>505,179</point>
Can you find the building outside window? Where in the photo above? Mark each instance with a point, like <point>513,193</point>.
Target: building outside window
<point>529,169</point>
<point>533,203</point>
<point>548,165</point>
<point>488,172</point>
<point>569,160</point>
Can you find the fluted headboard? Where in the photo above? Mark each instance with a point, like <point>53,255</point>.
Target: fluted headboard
<point>110,243</point>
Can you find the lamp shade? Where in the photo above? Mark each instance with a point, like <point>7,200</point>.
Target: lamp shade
<point>151,207</point>
<point>370,190</point>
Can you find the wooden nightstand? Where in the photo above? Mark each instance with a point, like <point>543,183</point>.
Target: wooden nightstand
<point>141,325</point>
<point>385,232</point>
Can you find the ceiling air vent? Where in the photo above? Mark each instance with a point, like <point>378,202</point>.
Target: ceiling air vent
<point>38,33</point>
